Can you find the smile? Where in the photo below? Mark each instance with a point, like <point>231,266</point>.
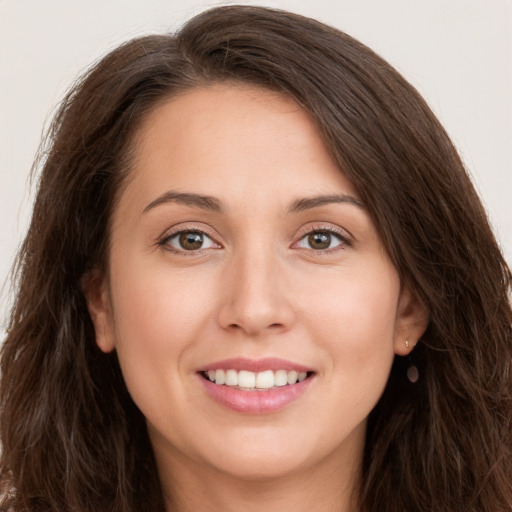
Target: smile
<point>256,386</point>
<point>255,381</point>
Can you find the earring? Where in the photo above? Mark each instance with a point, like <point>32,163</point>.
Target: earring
<point>413,374</point>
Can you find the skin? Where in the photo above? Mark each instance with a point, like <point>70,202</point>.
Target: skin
<point>256,288</point>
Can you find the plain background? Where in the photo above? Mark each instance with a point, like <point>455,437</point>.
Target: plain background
<point>457,53</point>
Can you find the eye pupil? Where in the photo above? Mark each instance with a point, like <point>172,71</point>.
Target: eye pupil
<point>319,240</point>
<point>191,241</point>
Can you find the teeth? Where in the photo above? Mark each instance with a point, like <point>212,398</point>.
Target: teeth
<point>251,381</point>
<point>265,380</point>
<point>292,377</point>
<point>220,377</point>
<point>281,378</point>
<point>246,379</point>
<point>231,378</point>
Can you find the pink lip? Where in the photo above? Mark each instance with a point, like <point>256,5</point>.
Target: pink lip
<point>255,365</point>
<point>255,402</point>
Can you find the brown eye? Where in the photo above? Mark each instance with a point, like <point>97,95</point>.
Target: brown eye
<point>318,240</point>
<point>190,241</point>
<point>322,240</point>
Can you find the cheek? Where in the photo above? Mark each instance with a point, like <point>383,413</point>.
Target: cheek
<point>159,316</point>
<point>352,318</point>
<point>159,319</point>
<point>154,306</point>
<point>357,306</point>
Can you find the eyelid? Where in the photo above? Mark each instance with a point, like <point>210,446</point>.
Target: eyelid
<point>168,234</point>
<point>345,237</point>
<point>324,226</point>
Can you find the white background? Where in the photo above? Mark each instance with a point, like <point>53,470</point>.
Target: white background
<point>458,53</point>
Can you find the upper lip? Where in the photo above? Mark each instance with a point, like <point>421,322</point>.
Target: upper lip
<point>255,365</point>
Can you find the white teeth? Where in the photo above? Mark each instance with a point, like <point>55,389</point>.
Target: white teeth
<point>292,377</point>
<point>281,378</point>
<point>265,380</point>
<point>231,378</point>
<point>246,379</point>
<point>220,377</point>
<point>250,380</point>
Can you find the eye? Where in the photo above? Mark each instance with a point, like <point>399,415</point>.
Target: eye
<point>321,240</point>
<point>189,240</point>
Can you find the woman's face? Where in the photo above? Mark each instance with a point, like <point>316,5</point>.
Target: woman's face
<point>242,261</point>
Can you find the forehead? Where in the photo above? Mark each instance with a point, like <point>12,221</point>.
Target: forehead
<point>222,139</point>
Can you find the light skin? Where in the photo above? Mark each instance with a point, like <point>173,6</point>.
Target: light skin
<point>238,236</point>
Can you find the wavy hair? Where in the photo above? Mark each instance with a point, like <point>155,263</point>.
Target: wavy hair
<point>73,440</point>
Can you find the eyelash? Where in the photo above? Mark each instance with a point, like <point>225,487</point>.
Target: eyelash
<point>165,242</point>
<point>340,235</point>
<point>344,241</point>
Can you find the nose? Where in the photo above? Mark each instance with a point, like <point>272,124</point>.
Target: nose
<point>256,299</point>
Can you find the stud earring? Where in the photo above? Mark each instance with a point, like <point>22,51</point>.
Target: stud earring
<point>407,344</point>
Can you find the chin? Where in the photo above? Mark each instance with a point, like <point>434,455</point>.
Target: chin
<point>254,467</point>
<point>273,454</point>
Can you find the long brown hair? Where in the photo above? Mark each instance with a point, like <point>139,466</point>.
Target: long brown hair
<point>72,438</point>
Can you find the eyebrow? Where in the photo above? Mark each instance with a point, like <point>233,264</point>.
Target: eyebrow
<point>197,200</point>
<point>210,203</point>
<point>307,203</point>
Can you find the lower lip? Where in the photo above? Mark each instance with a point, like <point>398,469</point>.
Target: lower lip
<point>256,402</point>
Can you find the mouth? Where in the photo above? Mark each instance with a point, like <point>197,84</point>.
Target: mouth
<point>256,386</point>
<point>247,380</point>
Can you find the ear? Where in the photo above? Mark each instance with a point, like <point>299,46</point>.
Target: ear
<point>411,322</point>
<point>95,289</point>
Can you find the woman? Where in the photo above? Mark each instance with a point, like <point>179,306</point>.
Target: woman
<point>257,277</point>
